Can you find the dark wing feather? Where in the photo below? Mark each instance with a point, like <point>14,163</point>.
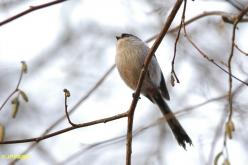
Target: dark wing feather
<point>163,88</point>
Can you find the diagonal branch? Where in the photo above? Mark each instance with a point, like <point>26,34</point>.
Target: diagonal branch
<point>29,10</point>
<point>142,76</point>
<point>38,139</point>
<point>210,59</point>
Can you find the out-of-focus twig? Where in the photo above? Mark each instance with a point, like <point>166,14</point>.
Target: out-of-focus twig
<point>193,19</point>
<point>23,70</point>
<point>73,109</point>
<point>236,4</point>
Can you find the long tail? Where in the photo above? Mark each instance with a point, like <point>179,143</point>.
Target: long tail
<point>178,131</point>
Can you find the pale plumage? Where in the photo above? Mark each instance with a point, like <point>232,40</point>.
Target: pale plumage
<point>130,56</point>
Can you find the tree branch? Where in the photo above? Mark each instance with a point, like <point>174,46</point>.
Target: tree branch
<point>241,51</point>
<point>38,139</point>
<point>142,76</point>
<point>210,59</point>
<point>73,109</point>
<point>29,10</point>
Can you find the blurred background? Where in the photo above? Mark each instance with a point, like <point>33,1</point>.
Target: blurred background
<point>72,45</point>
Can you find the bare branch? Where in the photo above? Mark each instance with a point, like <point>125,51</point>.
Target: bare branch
<point>241,51</point>
<point>29,10</point>
<point>73,109</point>
<point>193,19</point>
<point>67,94</point>
<point>142,76</point>
<point>238,18</point>
<point>208,58</point>
<point>173,73</point>
<point>38,139</point>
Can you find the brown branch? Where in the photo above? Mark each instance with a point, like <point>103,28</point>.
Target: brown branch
<point>229,125</point>
<point>70,111</point>
<point>67,94</point>
<point>40,138</point>
<point>173,73</point>
<point>136,132</point>
<point>150,125</point>
<point>210,59</point>
<point>23,70</point>
<point>204,14</point>
<point>29,10</point>
<point>73,109</point>
<point>238,18</point>
<point>82,99</point>
<point>237,89</point>
<point>142,76</point>
<point>193,19</point>
<point>241,51</point>
<point>108,119</point>
<point>231,20</point>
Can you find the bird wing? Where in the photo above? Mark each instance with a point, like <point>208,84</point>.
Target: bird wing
<point>163,88</point>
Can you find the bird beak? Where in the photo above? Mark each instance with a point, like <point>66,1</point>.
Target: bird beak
<point>118,37</point>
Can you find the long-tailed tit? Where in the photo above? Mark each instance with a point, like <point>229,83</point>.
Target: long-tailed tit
<point>130,55</point>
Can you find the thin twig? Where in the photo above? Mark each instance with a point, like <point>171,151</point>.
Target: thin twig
<point>93,89</point>
<point>115,117</point>
<point>67,94</point>
<point>208,58</point>
<point>204,14</point>
<point>73,109</point>
<point>94,122</point>
<point>238,18</point>
<point>235,4</point>
<point>173,73</point>
<point>238,48</point>
<point>29,10</point>
<point>150,125</point>
<point>142,76</point>
<point>193,19</point>
<point>15,90</point>
<point>229,125</point>
<point>82,99</point>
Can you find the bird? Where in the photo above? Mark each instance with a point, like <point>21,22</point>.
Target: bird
<point>131,52</point>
